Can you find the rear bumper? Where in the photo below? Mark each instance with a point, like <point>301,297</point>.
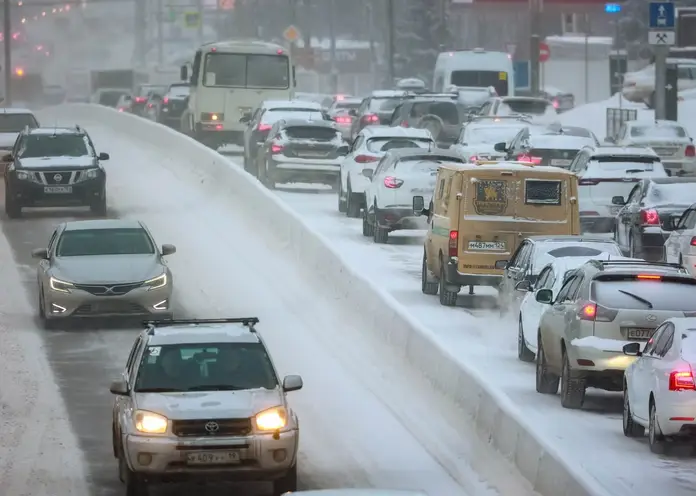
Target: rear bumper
<point>455,278</point>
<point>597,224</point>
<point>400,218</point>
<point>311,171</point>
<point>213,137</point>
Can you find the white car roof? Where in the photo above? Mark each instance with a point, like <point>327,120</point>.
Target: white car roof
<point>656,123</point>
<point>272,104</point>
<point>623,151</point>
<point>394,132</point>
<point>12,110</point>
<point>388,93</point>
<point>561,265</point>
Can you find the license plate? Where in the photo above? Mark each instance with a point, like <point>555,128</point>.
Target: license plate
<point>637,333</point>
<point>213,458</point>
<point>312,154</point>
<point>486,245</point>
<point>560,162</point>
<point>58,189</point>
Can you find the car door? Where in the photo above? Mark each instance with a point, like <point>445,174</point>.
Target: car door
<point>121,403</point>
<point>626,216</point>
<point>561,314</point>
<point>667,352</point>
<point>383,196</point>
<point>683,235</point>
<point>371,191</point>
<point>42,270</point>
<point>348,165</point>
<point>639,385</point>
<point>512,274</point>
<point>531,310</point>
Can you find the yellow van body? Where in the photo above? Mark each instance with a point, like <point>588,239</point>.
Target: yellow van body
<point>481,212</point>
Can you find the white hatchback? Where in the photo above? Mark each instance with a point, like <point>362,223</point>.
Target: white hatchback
<point>477,139</point>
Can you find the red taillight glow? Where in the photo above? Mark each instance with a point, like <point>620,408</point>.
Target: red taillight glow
<point>682,380</point>
<point>589,311</point>
<point>650,217</point>
<point>370,118</point>
<point>693,241</point>
<point>342,119</point>
<point>120,109</point>
<point>690,151</point>
<point>365,159</point>
<point>555,104</point>
<point>596,313</point>
<point>275,148</point>
<point>149,105</point>
<point>165,100</point>
<point>139,99</point>
<point>473,159</point>
<point>404,124</point>
<point>648,277</point>
<point>453,243</point>
<point>264,127</point>
<point>279,51</point>
<point>528,158</point>
<point>392,182</point>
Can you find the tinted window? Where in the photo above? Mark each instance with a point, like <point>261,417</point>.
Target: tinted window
<point>384,144</point>
<point>417,165</point>
<point>681,193</point>
<point>83,242</point>
<point>110,98</point>
<point>482,79</point>
<point>658,132</point>
<point>532,107</point>
<point>311,133</point>
<point>14,123</point>
<point>267,71</point>
<point>447,111</point>
<point>384,104</point>
<point>49,145</point>
<point>347,105</point>
<point>646,295</point>
<point>205,367</point>
<point>272,116</point>
<point>542,192</point>
<point>246,71</point>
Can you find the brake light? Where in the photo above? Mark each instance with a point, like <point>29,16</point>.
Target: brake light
<point>693,241</point>
<point>592,312</point>
<point>588,182</point>
<point>690,151</point>
<point>650,217</point>
<point>263,127</point>
<point>555,103</point>
<point>149,105</point>
<point>528,158</point>
<point>588,312</point>
<point>165,100</point>
<point>473,159</point>
<point>343,120</point>
<point>365,159</point>
<point>404,124</point>
<point>139,99</point>
<point>453,243</point>
<point>682,380</point>
<point>370,118</point>
<point>648,277</point>
<point>392,183</point>
<point>275,148</point>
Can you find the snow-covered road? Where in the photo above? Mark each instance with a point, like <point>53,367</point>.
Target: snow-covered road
<point>367,419</point>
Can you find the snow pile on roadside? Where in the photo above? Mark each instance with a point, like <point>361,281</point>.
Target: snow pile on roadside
<point>39,453</point>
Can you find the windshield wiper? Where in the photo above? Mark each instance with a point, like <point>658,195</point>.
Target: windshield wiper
<point>642,300</point>
<point>216,387</point>
<point>159,390</point>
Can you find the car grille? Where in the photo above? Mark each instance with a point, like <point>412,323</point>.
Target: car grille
<point>108,290</point>
<point>226,427</point>
<point>102,307</point>
<point>57,177</point>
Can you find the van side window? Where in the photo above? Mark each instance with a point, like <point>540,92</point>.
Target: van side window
<point>196,69</point>
<point>446,195</point>
<point>439,193</point>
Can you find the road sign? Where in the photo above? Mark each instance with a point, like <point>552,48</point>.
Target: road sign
<point>544,52</point>
<point>662,16</point>
<point>664,38</point>
<point>292,34</point>
<point>192,19</point>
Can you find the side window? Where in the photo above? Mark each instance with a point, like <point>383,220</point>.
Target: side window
<point>381,166</point>
<point>664,342</point>
<point>439,83</point>
<point>131,357</point>
<point>357,144</point>
<point>518,254</point>
<point>652,342</point>
<point>52,242</point>
<point>579,165</point>
<point>563,293</point>
<point>462,136</point>
<point>550,281</point>
<point>446,195</point>
<point>396,115</point>
<point>524,256</point>
<point>688,220</point>
<point>574,289</point>
<point>196,69</point>
<point>684,73</point>
<point>635,194</point>
<point>363,106</point>
<point>485,108</point>
<point>544,276</point>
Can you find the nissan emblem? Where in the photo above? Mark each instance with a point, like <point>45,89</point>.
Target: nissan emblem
<point>57,178</point>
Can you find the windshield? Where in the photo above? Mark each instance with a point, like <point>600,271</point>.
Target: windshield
<point>482,79</point>
<point>205,367</point>
<point>50,145</point>
<point>110,98</point>
<point>675,193</point>
<point>492,134</point>
<point>122,241</point>
<point>560,142</point>
<point>384,104</point>
<point>314,133</point>
<point>645,295</point>
<point>179,90</point>
<point>658,132</point>
<point>246,71</point>
<point>14,123</point>
<point>447,111</point>
<point>377,145</point>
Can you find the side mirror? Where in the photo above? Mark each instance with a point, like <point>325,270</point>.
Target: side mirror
<point>609,140</point>
<point>119,388</point>
<point>368,173</point>
<point>168,249</point>
<point>618,200</point>
<point>500,147</point>
<point>245,118</point>
<point>344,150</point>
<point>524,286</point>
<point>544,296</point>
<point>353,112</point>
<point>41,253</point>
<point>7,157</point>
<point>418,205</point>
<point>104,156</point>
<point>183,73</point>
<point>292,383</point>
<point>501,264</point>
<point>632,349</point>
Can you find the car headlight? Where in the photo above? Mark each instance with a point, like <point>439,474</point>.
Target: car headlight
<point>157,282</point>
<point>150,423</point>
<point>60,286</point>
<point>90,174</point>
<point>22,176</point>
<point>272,419</point>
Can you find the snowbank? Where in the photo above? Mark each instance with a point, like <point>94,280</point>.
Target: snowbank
<point>495,417</point>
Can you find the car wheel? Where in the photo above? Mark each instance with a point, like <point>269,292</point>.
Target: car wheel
<point>342,200</point>
<point>523,353</point>
<point>447,298</point>
<point>99,206</point>
<point>630,427</point>
<point>546,381</point>
<point>656,440</point>
<point>380,235</point>
<point>287,483</point>
<point>572,389</point>
<point>367,228</point>
<point>428,286</point>
<point>353,204</point>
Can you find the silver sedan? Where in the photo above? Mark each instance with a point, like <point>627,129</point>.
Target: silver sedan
<point>103,268</point>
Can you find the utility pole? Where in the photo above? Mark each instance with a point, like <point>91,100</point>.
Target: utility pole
<point>661,52</point>
<point>140,32</point>
<point>332,41</point>
<point>391,41</point>
<point>536,8</point>
<point>199,8</point>
<point>7,35</point>
<point>160,32</point>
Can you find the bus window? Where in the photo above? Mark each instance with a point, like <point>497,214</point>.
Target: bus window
<point>268,71</point>
<point>246,71</point>
<point>482,79</point>
<point>225,69</point>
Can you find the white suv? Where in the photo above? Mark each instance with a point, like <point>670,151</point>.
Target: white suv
<point>606,172</point>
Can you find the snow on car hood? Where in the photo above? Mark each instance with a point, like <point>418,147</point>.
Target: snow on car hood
<point>107,269</point>
<point>208,404</point>
<point>56,162</point>
<point>7,140</point>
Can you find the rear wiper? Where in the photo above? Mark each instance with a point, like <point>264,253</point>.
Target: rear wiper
<point>642,300</point>
<point>216,387</point>
<point>633,171</point>
<point>158,390</point>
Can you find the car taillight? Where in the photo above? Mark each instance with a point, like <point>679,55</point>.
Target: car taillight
<point>649,217</point>
<point>682,380</point>
<point>263,127</point>
<point>149,105</point>
<point>165,100</point>
<point>690,151</point>
<point>365,159</point>
<point>343,120</point>
<point>275,148</point>
<point>404,124</point>
<point>392,183</point>
<point>596,313</point>
<point>528,158</point>
<point>555,103</point>
<point>473,159</point>
<point>693,241</point>
<point>139,99</point>
<point>588,182</point>
<point>453,243</point>
<point>370,118</point>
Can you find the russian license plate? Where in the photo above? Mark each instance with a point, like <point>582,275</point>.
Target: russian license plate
<point>312,154</point>
<point>486,245</point>
<point>639,333</point>
<point>58,189</point>
<point>560,162</point>
<point>213,458</point>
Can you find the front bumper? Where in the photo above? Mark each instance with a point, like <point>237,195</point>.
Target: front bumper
<point>457,279</point>
<point>80,303</point>
<point>33,194</point>
<point>304,170</point>
<point>261,457</point>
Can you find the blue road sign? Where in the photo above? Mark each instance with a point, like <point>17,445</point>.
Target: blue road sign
<point>612,8</point>
<point>662,16</point>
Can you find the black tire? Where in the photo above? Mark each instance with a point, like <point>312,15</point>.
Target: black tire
<point>262,174</point>
<point>368,229</point>
<point>523,353</point>
<point>546,382</point>
<point>630,427</point>
<point>447,298</point>
<point>342,203</point>
<point>287,483</point>
<point>380,235</point>
<point>656,441</point>
<point>12,209</point>
<point>572,389</point>
<point>427,287</point>
<point>99,206</point>
<point>353,206</point>
<point>114,441</point>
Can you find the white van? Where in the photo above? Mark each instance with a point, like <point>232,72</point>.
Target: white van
<point>229,79</point>
<point>476,67</point>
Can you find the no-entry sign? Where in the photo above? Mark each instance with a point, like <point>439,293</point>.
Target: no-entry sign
<point>544,52</point>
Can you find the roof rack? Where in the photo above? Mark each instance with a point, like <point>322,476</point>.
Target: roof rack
<point>602,263</point>
<point>247,321</point>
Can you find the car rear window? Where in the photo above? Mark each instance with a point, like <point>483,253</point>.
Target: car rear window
<point>645,295</point>
<point>533,107</point>
<point>542,192</point>
<point>447,111</point>
<point>311,133</point>
<point>658,132</point>
<point>377,145</point>
<point>581,249</point>
<point>347,105</point>
<point>14,123</point>
<point>418,165</point>
<point>271,117</point>
<point>675,193</point>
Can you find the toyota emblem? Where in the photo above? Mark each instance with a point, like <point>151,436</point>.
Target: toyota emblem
<point>212,427</point>
<point>57,178</point>
<point>651,318</point>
